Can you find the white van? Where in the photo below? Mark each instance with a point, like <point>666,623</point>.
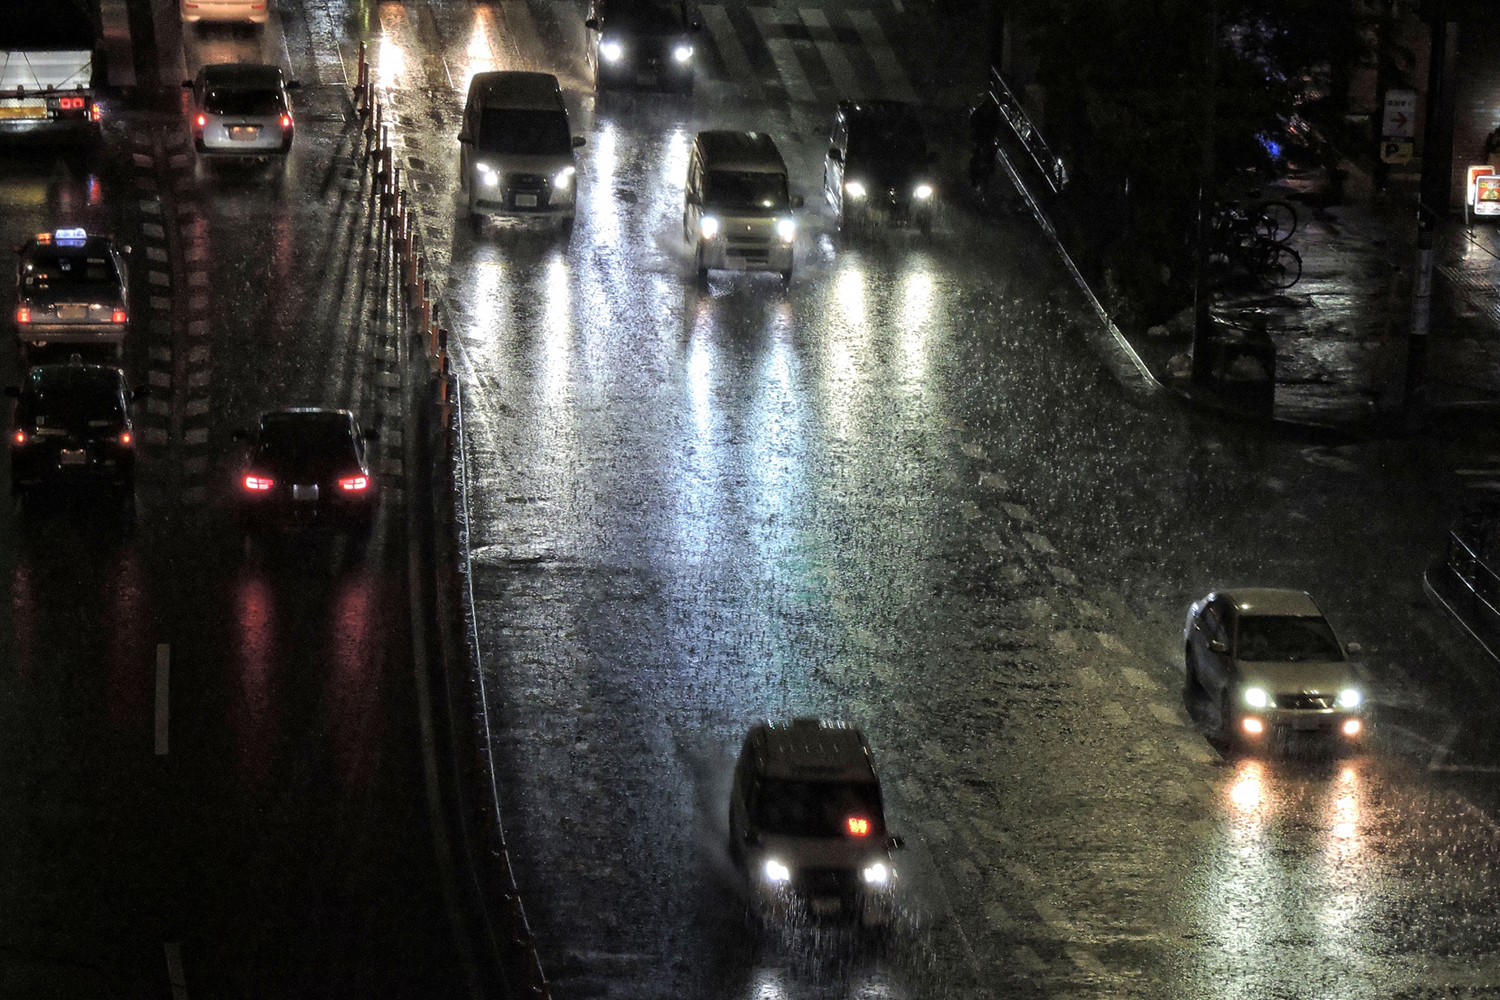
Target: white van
<point>738,212</point>
<point>515,149</point>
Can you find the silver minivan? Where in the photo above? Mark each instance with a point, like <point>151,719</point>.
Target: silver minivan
<point>241,111</point>
<point>516,150</point>
<point>738,206</point>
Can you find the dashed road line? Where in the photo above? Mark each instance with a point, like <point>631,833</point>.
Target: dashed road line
<point>163,672</point>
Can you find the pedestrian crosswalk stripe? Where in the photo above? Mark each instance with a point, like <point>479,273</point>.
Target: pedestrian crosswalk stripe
<point>844,80</point>
<point>891,74</point>
<point>730,50</point>
<point>783,55</point>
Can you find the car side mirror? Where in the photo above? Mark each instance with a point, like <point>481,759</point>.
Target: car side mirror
<point>797,201</point>
<point>294,85</point>
<point>592,24</point>
<point>465,137</point>
<point>372,434</point>
<point>578,141</point>
<point>835,155</point>
<point>750,837</point>
<point>1353,648</point>
<point>141,391</point>
<point>127,249</point>
<point>894,843</point>
<point>1218,646</point>
<point>240,434</point>
<point>13,391</point>
<point>696,26</point>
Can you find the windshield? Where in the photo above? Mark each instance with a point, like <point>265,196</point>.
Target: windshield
<point>524,132</point>
<point>647,18</point>
<point>1286,639</point>
<point>737,189</point>
<point>223,101</point>
<point>307,440</point>
<point>791,808</point>
<point>63,271</point>
<point>72,408</point>
<point>899,142</point>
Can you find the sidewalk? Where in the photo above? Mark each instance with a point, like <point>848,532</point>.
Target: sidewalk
<point>1340,333</point>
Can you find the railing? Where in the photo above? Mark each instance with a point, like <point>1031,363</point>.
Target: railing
<point>1047,162</point>
<point>398,221</point>
<point>1474,572</point>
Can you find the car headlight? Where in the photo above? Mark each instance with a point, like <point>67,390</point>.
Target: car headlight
<point>854,189</point>
<point>877,874</point>
<point>708,227</point>
<point>777,872</point>
<point>786,229</point>
<point>683,53</point>
<point>564,177</point>
<point>1257,697</point>
<point>1349,698</point>
<point>922,192</point>
<point>611,50</point>
<point>488,176</point>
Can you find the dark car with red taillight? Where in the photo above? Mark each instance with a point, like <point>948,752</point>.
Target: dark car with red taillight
<point>307,466</point>
<point>73,289</point>
<point>71,426</point>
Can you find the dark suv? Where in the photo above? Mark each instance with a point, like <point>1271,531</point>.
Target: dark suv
<point>72,426</point>
<point>645,43</point>
<point>878,167</point>
<point>807,824</point>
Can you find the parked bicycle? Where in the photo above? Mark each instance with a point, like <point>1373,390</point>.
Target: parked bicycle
<point>1263,259</point>
<point>1272,220</point>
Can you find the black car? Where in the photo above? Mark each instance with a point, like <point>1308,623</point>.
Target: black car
<point>878,167</point>
<point>72,288</point>
<point>642,43</point>
<point>307,466</point>
<point>71,426</point>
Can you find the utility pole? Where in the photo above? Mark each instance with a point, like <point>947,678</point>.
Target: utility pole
<point>1202,297</point>
<point>1432,204</point>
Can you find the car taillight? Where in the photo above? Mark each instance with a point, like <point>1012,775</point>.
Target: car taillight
<point>118,316</point>
<point>858,826</point>
<point>19,437</point>
<point>354,483</point>
<point>23,314</point>
<point>127,438</point>
<point>94,113</point>
<point>259,483</point>
<point>202,120</point>
<point>286,121</point>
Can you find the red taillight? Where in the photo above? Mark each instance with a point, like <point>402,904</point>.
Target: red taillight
<point>19,437</point>
<point>23,314</point>
<point>202,120</point>
<point>118,316</point>
<point>259,483</point>
<point>286,121</point>
<point>127,438</point>
<point>354,483</point>
<point>94,113</point>
<point>70,103</point>
<point>858,826</point>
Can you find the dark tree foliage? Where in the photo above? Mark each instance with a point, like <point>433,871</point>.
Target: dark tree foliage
<point>1126,84</point>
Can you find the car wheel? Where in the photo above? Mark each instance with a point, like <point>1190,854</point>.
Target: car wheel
<point>567,228</point>
<point>786,277</point>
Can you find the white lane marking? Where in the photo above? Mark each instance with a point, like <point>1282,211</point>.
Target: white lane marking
<point>784,56</point>
<point>174,970</point>
<point>883,56</point>
<point>832,52</point>
<point>163,671</point>
<point>730,49</point>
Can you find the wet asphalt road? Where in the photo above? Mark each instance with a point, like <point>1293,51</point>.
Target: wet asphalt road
<point>904,492</point>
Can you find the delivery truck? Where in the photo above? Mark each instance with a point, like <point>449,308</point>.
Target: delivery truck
<point>51,59</point>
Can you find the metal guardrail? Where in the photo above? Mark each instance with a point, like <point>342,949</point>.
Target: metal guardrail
<point>398,220</point>
<point>1052,168</point>
<point>1474,572</point>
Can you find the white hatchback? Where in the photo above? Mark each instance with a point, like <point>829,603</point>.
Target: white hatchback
<point>240,11</point>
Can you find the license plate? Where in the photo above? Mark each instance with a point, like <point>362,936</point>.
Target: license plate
<point>824,907</point>
<point>244,133</point>
<point>526,201</point>
<point>73,312</point>
<point>72,456</point>
<point>646,79</point>
<point>1305,723</point>
<point>305,492</point>
<point>23,110</point>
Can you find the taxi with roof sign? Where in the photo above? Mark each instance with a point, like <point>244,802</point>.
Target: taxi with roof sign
<point>72,288</point>
<point>807,824</point>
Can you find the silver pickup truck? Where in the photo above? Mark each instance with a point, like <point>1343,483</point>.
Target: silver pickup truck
<point>50,61</point>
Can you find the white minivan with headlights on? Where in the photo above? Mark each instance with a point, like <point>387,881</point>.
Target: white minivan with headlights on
<point>516,150</point>
<point>807,825</point>
<point>738,206</point>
